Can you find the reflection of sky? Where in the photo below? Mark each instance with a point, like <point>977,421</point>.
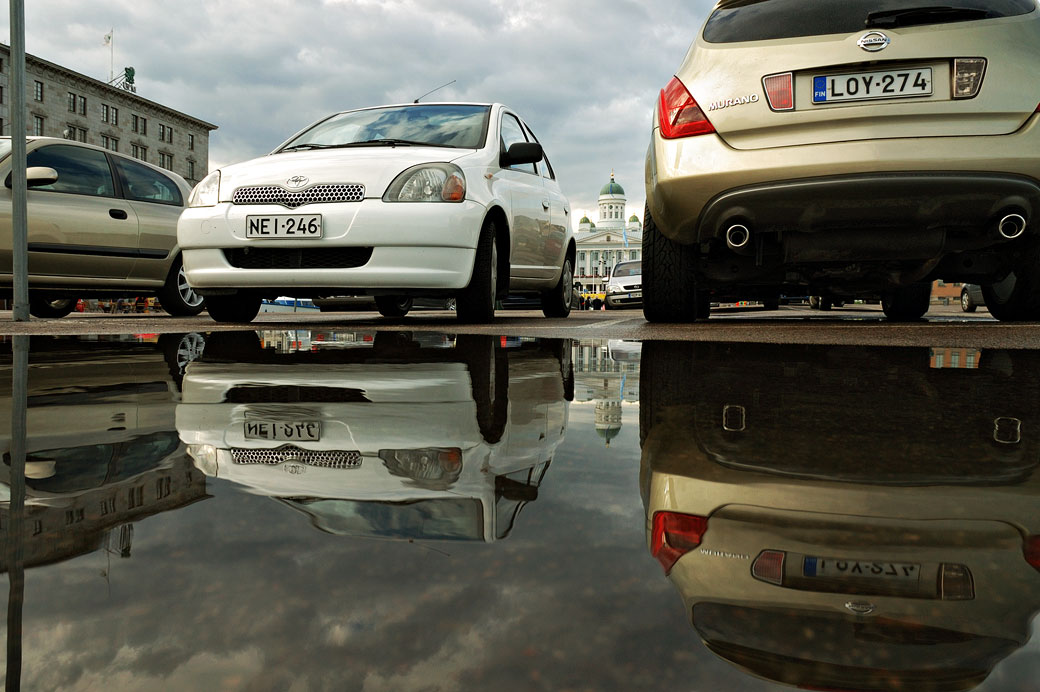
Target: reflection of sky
<point>241,592</point>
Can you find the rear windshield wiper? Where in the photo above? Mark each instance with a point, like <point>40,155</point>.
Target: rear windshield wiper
<point>915,16</point>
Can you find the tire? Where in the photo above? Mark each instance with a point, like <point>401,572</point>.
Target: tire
<point>393,306</point>
<point>51,307</point>
<point>235,308</point>
<point>967,304</point>
<point>771,304</point>
<point>475,304</point>
<point>907,303</point>
<point>558,301</point>
<point>489,378</point>
<point>826,303</point>
<point>1017,297</point>
<point>670,292</point>
<point>179,350</point>
<point>178,298</point>
<point>814,302</point>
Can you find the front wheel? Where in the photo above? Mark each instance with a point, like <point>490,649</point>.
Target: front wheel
<point>235,308</point>
<point>178,298</point>
<point>476,302</point>
<point>907,303</point>
<point>967,304</point>
<point>51,307</point>
<point>393,306</point>
<point>670,292</point>
<point>558,301</point>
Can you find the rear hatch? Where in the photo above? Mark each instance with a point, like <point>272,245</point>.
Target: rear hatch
<point>864,69</point>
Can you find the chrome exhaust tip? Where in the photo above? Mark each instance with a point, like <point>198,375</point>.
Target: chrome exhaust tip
<point>1012,226</point>
<point>738,236</point>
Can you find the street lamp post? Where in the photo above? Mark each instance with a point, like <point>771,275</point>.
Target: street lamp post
<point>19,213</point>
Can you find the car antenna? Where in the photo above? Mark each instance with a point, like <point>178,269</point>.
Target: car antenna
<point>437,89</point>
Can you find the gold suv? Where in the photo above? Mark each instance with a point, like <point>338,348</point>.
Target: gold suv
<point>100,225</point>
<point>848,148</point>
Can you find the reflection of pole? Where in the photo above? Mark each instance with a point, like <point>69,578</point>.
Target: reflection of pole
<point>16,513</point>
<point>19,222</point>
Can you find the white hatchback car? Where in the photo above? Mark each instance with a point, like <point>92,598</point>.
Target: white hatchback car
<point>433,200</point>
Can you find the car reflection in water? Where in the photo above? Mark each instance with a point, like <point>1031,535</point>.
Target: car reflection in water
<point>846,517</point>
<point>102,449</point>
<point>395,436</point>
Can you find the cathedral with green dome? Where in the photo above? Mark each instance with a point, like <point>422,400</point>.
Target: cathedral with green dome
<point>614,238</point>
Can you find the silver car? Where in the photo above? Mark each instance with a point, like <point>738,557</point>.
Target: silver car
<point>625,286</point>
<point>100,225</point>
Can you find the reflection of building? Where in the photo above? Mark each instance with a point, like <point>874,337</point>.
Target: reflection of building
<point>612,240</point>
<point>607,373</point>
<point>63,103</point>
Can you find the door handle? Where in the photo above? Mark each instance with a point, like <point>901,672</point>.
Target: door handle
<point>117,213</point>
<point>545,204</point>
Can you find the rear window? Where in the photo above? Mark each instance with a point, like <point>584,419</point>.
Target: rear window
<point>761,20</point>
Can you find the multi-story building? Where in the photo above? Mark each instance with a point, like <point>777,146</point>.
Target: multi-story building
<point>63,103</point>
<point>601,246</point>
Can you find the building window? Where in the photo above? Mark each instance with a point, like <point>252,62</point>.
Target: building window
<point>166,160</point>
<point>1,94</point>
<point>191,170</point>
<point>114,112</point>
<point>75,133</point>
<point>72,102</point>
<point>38,125</point>
<point>139,152</point>
<point>139,124</point>
<point>82,105</point>
<point>634,254</point>
<point>110,114</point>
<point>165,133</point>
<point>191,142</point>
<point>70,132</point>
<point>38,91</point>
<point>104,113</point>
<point>110,143</point>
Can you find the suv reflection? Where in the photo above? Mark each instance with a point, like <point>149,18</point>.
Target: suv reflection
<point>422,436</point>
<point>846,517</point>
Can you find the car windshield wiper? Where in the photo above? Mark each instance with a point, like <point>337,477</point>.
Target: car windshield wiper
<point>913,16</point>
<point>382,142</point>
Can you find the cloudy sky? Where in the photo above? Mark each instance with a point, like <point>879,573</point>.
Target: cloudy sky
<point>583,73</point>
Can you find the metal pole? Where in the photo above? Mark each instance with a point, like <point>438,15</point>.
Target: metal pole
<point>16,514</point>
<point>19,212</point>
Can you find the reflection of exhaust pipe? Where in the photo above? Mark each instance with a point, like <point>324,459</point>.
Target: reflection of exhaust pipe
<point>738,238</point>
<point>1012,226</point>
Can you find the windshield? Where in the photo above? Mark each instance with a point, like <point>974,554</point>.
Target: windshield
<point>458,126</point>
<point>628,269</point>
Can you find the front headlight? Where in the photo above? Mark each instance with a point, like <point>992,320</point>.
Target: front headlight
<point>614,288</point>
<point>207,192</point>
<point>428,182</point>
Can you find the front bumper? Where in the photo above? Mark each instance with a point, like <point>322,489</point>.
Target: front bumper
<point>626,297</point>
<point>414,246</point>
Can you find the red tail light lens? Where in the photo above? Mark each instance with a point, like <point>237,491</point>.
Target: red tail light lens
<point>780,91</point>
<point>673,535</point>
<point>679,114</point>
<point>769,566</point>
<point>1032,551</point>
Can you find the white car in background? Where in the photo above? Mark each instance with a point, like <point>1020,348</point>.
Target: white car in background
<point>434,200</point>
<point>625,286</point>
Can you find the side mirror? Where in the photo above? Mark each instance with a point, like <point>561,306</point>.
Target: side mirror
<point>37,176</point>
<point>521,153</point>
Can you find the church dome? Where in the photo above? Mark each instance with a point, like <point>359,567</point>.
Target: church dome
<point>585,219</point>
<point>612,188</point>
<point>634,218</point>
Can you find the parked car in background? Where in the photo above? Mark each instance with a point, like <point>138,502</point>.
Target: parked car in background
<point>433,200</point>
<point>971,297</point>
<point>850,148</point>
<point>625,285</point>
<point>101,225</point>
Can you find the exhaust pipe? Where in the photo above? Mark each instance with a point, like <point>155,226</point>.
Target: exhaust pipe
<point>1012,226</point>
<point>738,238</point>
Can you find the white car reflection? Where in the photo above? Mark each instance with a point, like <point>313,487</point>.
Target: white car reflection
<point>846,518</point>
<point>400,438</point>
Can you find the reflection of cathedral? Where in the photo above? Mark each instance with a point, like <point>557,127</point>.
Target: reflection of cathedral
<point>604,244</point>
<point>606,373</point>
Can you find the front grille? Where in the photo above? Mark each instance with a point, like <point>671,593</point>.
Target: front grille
<point>272,194</point>
<point>329,459</point>
<point>298,258</point>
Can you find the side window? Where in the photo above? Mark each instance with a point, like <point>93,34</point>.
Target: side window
<point>545,167</point>
<point>142,184</point>
<point>80,171</point>
<point>512,133</point>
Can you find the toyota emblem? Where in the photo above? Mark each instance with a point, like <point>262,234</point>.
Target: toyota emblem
<point>297,181</point>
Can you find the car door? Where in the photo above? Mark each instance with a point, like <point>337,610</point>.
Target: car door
<point>158,203</point>
<point>553,242</point>
<point>78,227</point>
<point>530,206</point>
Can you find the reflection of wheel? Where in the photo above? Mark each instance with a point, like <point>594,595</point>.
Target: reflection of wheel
<point>1017,297</point>
<point>450,304</point>
<point>393,306</point>
<point>50,307</point>
<point>564,351</point>
<point>176,296</point>
<point>489,378</point>
<point>179,350</point>
<point>907,303</point>
<point>967,304</point>
<point>476,302</point>
<point>670,293</point>
<point>234,308</point>
<point>814,302</point>
<point>558,301</point>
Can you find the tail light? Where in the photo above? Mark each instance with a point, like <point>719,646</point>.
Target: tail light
<point>679,114</point>
<point>1032,551</point>
<point>673,535</point>
<point>769,566</point>
<point>955,583</point>
<point>780,91</point>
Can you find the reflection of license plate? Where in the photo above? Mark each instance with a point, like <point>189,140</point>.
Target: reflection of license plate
<point>861,86</point>
<point>837,568</point>
<point>283,431</point>
<point>303,226</point>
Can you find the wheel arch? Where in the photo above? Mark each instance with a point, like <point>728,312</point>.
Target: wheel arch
<point>497,214</point>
